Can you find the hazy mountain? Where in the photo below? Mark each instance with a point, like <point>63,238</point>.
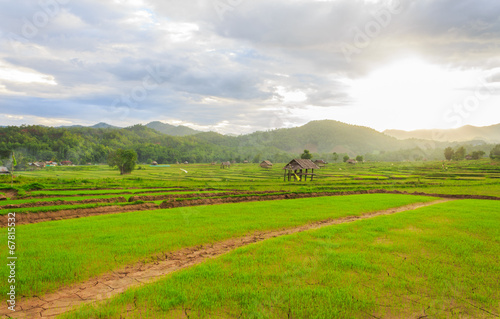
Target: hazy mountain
<point>326,136</point>
<point>98,125</point>
<point>103,125</point>
<point>488,134</point>
<point>322,138</point>
<point>171,129</point>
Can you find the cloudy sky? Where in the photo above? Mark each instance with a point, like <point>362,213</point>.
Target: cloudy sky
<point>237,66</point>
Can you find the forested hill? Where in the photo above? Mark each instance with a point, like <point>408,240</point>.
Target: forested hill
<point>171,129</point>
<point>489,134</point>
<point>91,145</point>
<point>327,136</point>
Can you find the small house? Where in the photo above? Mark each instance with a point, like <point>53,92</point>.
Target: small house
<point>4,170</point>
<point>266,164</point>
<point>299,168</point>
<point>66,163</point>
<point>351,161</point>
<point>225,165</point>
<point>154,163</point>
<point>320,162</point>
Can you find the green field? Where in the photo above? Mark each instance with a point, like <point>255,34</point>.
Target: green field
<point>58,253</point>
<point>465,177</point>
<point>440,262</point>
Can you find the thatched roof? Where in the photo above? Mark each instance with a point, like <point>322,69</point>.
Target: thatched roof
<point>300,163</point>
<point>266,163</point>
<point>4,170</point>
<point>319,161</point>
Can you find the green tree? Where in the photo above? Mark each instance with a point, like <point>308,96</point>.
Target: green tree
<point>477,155</point>
<point>448,153</point>
<point>256,158</point>
<point>335,156</point>
<point>459,154</point>
<point>14,164</point>
<point>124,160</point>
<point>359,158</point>
<point>306,155</point>
<point>346,158</point>
<point>495,152</point>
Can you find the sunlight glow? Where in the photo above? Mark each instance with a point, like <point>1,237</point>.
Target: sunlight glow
<point>9,73</point>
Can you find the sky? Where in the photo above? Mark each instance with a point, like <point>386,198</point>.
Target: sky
<point>239,66</point>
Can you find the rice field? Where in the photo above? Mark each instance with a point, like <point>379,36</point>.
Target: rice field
<point>439,261</point>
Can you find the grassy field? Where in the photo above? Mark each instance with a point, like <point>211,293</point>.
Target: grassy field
<point>465,177</point>
<point>438,262</point>
<point>59,253</point>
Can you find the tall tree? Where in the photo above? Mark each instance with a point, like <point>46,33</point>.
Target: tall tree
<point>306,155</point>
<point>14,163</point>
<point>335,156</point>
<point>124,160</point>
<point>459,154</point>
<point>495,152</point>
<point>477,155</point>
<point>448,153</point>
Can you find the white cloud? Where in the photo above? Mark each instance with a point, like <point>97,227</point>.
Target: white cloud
<point>24,75</point>
<point>223,74</point>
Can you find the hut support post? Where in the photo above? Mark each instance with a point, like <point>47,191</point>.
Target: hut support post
<point>312,173</point>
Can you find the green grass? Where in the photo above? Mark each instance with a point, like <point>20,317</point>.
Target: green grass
<point>96,191</point>
<point>459,177</point>
<point>58,253</point>
<point>441,261</point>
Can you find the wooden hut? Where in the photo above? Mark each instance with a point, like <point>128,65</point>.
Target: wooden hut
<point>351,161</point>
<point>154,163</point>
<point>298,168</point>
<point>266,164</point>
<point>320,162</point>
<point>4,170</point>
<point>225,165</point>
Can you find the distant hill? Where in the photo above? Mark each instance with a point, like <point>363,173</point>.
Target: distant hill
<point>156,142</point>
<point>326,136</point>
<point>488,134</point>
<point>98,125</point>
<point>172,129</point>
<point>103,125</point>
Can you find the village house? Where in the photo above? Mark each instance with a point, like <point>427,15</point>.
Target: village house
<point>266,164</point>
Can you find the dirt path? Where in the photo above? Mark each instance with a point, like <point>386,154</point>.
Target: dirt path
<point>108,285</point>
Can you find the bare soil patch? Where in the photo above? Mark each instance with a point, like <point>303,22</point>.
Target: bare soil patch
<point>120,199</point>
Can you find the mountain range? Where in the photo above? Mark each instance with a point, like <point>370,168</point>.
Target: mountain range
<point>488,134</point>
<point>167,143</point>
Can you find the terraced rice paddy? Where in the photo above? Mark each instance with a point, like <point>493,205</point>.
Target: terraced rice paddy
<point>205,238</point>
